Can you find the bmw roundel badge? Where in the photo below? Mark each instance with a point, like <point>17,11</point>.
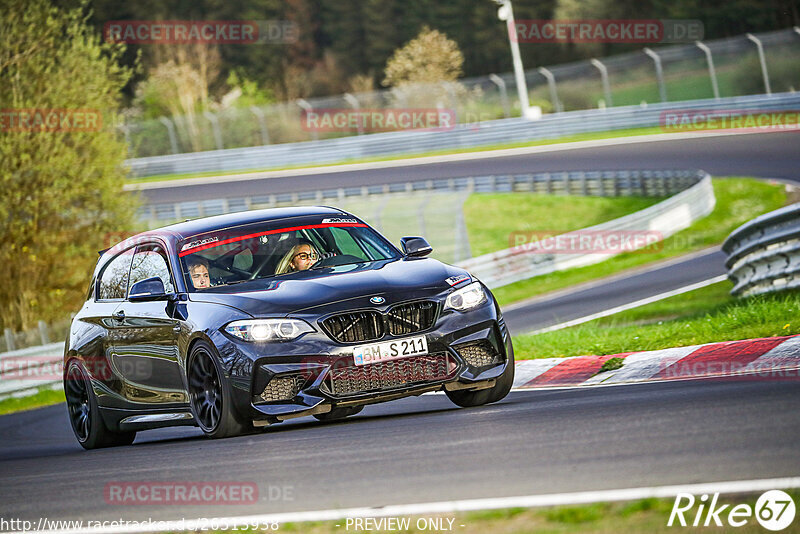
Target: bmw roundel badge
<point>377,300</point>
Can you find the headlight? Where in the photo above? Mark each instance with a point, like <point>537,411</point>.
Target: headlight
<point>466,298</point>
<point>268,329</point>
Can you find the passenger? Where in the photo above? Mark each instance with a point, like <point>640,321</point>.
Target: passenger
<point>198,270</point>
<point>299,258</point>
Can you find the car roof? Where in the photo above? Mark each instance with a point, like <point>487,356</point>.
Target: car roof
<point>186,229</point>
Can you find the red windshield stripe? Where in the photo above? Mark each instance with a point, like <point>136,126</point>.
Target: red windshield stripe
<point>259,234</point>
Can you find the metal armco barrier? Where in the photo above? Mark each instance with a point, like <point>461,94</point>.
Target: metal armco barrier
<point>28,369</point>
<point>664,219</point>
<point>764,254</point>
<point>463,136</point>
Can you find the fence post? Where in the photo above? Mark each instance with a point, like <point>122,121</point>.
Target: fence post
<point>43,333</point>
<point>259,113</point>
<point>308,108</point>
<point>501,84</point>
<point>215,128</point>
<point>10,344</point>
<point>173,140</point>
<point>354,103</point>
<point>604,77</point>
<point>711,72</point>
<point>551,83</point>
<point>763,61</point>
<point>662,90</point>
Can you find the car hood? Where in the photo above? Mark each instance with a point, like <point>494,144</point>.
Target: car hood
<point>340,287</point>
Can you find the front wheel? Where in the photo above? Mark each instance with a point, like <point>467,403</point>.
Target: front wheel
<point>466,398</point>
<point>210,395</point>
<point>84,414</point>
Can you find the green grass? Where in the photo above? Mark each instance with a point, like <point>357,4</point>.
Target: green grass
<point>738,201</point>
<point>542,142</point>
<point>703,316</point>
<point>44,397</point>
<point>492,217</point>
<point>642,515</point>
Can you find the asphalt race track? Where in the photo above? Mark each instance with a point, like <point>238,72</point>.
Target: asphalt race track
<point>424,449</point>
<point>623,289</point>
<point>772,155</point>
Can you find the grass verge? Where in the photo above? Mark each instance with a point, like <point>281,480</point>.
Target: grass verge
<point>738,201</point>
<point>706,315</point>
<point>44,397</point>
<point>541,142</point>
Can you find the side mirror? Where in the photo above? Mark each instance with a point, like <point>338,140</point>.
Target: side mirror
<point>415,246</point>
<point>147,289</point>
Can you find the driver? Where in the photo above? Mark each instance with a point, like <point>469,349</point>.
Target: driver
<point>299,258</point>
<point>198,270</point>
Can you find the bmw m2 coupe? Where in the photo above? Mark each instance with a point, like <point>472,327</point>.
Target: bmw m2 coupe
<point>246,320</point>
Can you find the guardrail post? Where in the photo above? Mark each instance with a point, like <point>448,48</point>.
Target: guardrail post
<point>662,90</point>
<point>501,85</point>
<point>44,335</point>
<point>353,101</point>
<point>173,140</point>
<point>10,344</point>
<point>421,214</point>
<point>551,83</point>
<point>763,61</point>
<point>604,77</point>
<point>215,128</point>
<point>308,108</point>
<point>712,73</point>
<point>262,123</point>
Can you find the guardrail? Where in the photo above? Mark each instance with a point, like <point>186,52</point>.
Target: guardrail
<point>24,371</point>
<point>764,254</point>
<point>462,136</point>
<point>664,219</point>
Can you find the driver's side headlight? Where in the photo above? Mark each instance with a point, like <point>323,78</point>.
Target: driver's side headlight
<point>466,298</point>
<point>268,329</point>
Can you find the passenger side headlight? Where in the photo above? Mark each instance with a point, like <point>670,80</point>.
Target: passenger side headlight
<point>268,329</point>
<point>466,298</point>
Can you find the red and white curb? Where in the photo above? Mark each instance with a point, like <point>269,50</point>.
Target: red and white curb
<point>773,358</point>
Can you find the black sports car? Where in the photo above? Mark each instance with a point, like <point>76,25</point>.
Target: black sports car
<point>249,319</point>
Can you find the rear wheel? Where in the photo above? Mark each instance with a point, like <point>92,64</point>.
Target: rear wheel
<point>338,413</point>
<point>466,398</point>
<point>210,395</point>
<point>84,414</point>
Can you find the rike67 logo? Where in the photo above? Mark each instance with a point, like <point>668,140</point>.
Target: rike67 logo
<point>774,510</point>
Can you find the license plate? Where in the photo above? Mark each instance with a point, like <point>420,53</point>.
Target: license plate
<point>390,350</point>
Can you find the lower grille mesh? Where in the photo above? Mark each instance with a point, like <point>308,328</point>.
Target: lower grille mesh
<point>282,388</point>
<point>389,375</point>
<point>479,354</point>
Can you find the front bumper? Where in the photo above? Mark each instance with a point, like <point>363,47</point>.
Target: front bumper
<point>273,382</point>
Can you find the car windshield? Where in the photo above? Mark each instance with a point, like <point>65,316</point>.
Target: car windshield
<point>228,256</point>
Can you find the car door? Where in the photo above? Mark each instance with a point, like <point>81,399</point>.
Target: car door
<point>145,344</point>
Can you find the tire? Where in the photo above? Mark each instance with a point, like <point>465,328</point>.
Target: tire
<point>466,398</point>
<point>84,415</point>
<point>210,395</point>
<point>338,413</point>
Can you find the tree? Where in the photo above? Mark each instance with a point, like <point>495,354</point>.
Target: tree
<point>60,191</point>
<point>428,58</point>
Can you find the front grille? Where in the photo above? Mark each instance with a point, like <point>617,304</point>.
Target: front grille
<point>352,327</point>
<point>389,375</point>
<point>411,317</point>
<point>282,388</point>
<point>479,354</point>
